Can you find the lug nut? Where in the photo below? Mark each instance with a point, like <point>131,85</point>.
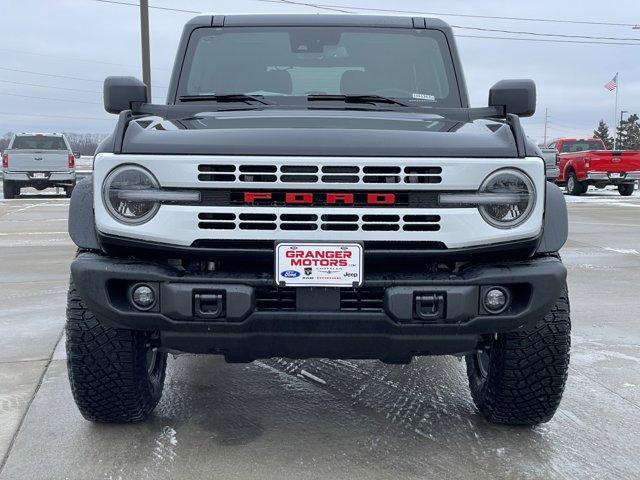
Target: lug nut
<point>143,297</point>
<point>496,300</point>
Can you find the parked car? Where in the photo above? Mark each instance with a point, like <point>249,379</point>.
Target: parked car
<point>551,160</point>
<point>38,160</point>
<point>585,162</point>
<point>329,193</point>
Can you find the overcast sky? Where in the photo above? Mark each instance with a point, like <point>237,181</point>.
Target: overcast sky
<point>89,40</point>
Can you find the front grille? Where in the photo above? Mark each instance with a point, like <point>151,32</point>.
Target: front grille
<point>270,299</point>
<point>318,174</point>
<point>365,299</point>
<point>362,300</point>
<point>271,220</point>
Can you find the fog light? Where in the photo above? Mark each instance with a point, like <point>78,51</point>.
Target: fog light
<point>496,300</point>
<point>143,297</point>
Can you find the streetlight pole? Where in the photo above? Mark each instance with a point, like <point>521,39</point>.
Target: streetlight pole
<point>146,54</point>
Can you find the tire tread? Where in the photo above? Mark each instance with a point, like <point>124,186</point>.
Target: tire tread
<point>528,371</point>
<point>107,367</point>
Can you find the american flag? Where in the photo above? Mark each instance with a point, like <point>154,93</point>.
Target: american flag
<point>613,84</point>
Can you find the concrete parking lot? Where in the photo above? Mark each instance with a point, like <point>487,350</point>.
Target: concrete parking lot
<point>321,419</point>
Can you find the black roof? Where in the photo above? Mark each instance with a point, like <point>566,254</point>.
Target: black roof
<point>304,20</point>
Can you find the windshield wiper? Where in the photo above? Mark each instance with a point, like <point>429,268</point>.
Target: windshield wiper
<point>357,99</point>
<point>225,98</point>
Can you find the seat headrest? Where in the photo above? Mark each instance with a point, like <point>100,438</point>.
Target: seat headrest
<point>353,82</point>
<point>277,81</point>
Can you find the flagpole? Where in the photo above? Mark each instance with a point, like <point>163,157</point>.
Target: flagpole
<point>615,113</point>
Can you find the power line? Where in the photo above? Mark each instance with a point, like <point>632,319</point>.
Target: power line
<point>547,40</point>
<point>50,75</point>
<point>60,76</point>
<point>319,7</point>
<point>342,8</point>
<point>49,98</point>
<point>636,39</point>
<point>150,6</point>
<point>49,86</point>
<point>489,17</point>
<point>13,114</point>
<point>75,59</point>
<point>339,7</point>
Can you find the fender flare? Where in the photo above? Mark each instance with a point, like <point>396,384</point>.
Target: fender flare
<point>82,226</point>
<point>555,227</point>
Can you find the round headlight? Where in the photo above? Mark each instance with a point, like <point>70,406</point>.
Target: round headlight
<point>119,194</point>
<point>510,196</point>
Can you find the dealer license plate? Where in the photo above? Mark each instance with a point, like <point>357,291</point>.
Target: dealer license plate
<point>39,175</point>
<point>319,264</point>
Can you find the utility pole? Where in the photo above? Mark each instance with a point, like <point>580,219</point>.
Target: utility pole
<point>146,54</point>
<point>546,117</point>
<point>615,115</point>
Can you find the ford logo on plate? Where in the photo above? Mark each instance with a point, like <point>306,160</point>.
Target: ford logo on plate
<point>290,274</point>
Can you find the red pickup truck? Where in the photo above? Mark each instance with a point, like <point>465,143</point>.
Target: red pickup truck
<point>584,162</point>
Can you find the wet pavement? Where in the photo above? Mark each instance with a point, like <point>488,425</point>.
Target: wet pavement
<point>318,418</point>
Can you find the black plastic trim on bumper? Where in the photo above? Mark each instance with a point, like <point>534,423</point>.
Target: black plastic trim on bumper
<point>245,333</point>
<point>257,248</point>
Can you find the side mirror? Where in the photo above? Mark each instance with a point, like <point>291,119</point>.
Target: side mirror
<point>120,92</point>
<point>516,96</point>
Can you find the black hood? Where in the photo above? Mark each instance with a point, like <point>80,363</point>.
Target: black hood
<point>320,133</point>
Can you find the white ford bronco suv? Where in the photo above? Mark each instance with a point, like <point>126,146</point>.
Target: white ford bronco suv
<point>318,186</point>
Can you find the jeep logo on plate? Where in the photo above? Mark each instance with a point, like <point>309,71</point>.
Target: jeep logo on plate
<point>290,274</point>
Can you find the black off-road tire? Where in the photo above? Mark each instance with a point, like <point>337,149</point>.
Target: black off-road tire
<point>575,186</point>
<point>520,378</point>
<point>115,377</point>
<point>626,189</point>
<point>9,189</point>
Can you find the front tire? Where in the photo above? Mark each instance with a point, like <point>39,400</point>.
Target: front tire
<point>626,189</point>
<point>520,377</point>
<point>115,375</point>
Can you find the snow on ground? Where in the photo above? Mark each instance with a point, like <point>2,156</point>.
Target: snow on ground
<point>608,195</point>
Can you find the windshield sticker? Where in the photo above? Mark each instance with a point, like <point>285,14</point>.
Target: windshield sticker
<point>422,96</point>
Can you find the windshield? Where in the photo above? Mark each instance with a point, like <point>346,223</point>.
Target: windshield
<point>582,146</point>
<point>38,142</point>
<point>405,64</point>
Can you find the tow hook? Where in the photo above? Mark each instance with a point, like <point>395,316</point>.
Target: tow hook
<point>208,304</point>
<point>429,306</point>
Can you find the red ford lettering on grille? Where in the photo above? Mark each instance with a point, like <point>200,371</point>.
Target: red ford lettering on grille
<point>251,197</point>
<point>320,198</point>
<point>381,198</point>
<point>344,198</point>
<point>304,198</point>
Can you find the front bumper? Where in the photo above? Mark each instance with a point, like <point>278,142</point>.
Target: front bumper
<point>66,178</point>
<point>317,324</point>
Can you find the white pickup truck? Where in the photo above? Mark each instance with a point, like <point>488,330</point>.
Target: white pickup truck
<point>38,160</point>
